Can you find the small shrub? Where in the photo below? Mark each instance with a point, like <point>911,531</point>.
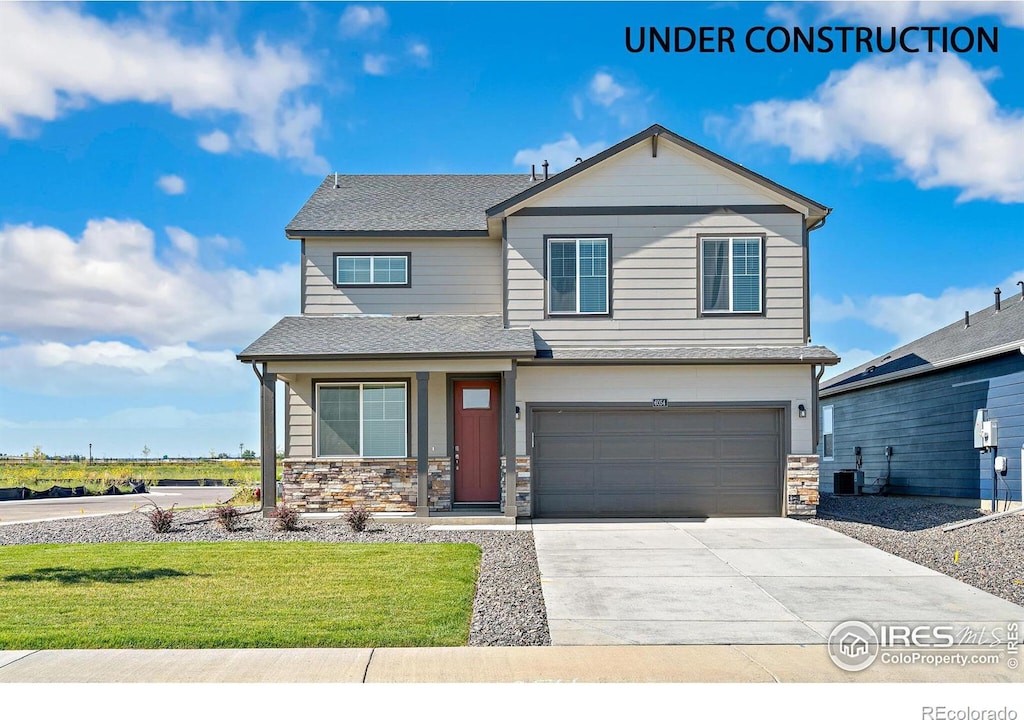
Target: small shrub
<point>246,496</point>
<point>227,516</point>
<point>287,517</point>
<point>357,518</point>
<point>159,519</point>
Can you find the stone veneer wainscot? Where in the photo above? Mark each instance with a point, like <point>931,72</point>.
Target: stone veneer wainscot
<point>802,485</point>
<point>378,485</point>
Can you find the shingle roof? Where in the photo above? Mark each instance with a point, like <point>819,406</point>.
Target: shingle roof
<point>404,203</point>
<point>815,354</point>
<point>342,337</point>
<point>989,333</point>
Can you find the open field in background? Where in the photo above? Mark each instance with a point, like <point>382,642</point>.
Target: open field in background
<point>236,594</point>
<point>41,474</point>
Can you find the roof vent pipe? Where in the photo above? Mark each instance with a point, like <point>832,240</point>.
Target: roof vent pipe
<point>967,318</point>
<point>545,166</point>
<point>533,173</point>
<point>1021,283</point>
<point>998,293</point>
<point>335,181</point>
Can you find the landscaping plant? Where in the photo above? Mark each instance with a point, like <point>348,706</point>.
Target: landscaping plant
<point>159,519</point>
<point>357,518</point>
<point>286,517</point>
<point>227,516</point>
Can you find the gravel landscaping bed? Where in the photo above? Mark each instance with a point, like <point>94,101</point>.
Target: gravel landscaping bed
<point>991,554</point>
<point>508,609</point>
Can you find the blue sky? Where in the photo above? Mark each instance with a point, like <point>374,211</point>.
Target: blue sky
<point>152,154</point>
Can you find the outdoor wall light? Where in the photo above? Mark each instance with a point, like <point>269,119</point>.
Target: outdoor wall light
<point>517,412</point>
<point>801,410</point>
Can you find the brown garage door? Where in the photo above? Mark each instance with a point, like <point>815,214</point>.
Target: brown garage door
<point>670,462</point>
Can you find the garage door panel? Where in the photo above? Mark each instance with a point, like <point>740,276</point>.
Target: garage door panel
<point>623,423</point>
<point>676,462</point>
<point>620,448</point>
<point>759,421</point>
<point>686,448</point>
<point>761,447</point>
<point>564,422</point>
<point>562,449</point>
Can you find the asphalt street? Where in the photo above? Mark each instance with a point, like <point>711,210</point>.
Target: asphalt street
<point>12,511</point>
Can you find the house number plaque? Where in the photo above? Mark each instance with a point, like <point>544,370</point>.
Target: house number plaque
<point>659,402</point>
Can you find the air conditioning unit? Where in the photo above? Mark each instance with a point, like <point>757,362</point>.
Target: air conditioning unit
<point>847,482</point>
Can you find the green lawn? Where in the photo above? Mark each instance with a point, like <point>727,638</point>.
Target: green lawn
<point>236,594</point>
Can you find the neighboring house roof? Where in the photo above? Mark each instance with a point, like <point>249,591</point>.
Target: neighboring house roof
<point>350,337</point>
<point>816,209</point>
<point>989,333</point>
<point>368,204</point>
<point>438,205</point>
<point>815,354</point>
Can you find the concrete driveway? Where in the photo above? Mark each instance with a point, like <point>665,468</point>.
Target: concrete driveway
<point>736,581</point>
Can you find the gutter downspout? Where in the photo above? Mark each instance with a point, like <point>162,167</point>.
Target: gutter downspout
<point>814,406</point>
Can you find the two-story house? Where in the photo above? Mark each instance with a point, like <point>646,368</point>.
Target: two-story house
<point>628,337</point>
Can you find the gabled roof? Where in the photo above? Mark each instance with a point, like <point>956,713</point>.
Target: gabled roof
<point>397,204</point>
<point>989,333</point>
<point>440,205</point>
<point>816,209</point>
<point>356,337</point>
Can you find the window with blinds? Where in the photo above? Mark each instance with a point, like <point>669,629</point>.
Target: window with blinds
<point>731,278</point>
<point>361,420</point>
<point>578,276</point>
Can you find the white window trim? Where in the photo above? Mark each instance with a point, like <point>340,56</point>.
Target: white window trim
<point>316,416</point>
<point>832,431</point>
<point>373,270</point>
<point>760,284</point>
<point>607,276</point>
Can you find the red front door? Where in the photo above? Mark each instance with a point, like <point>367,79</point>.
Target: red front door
<point>476,440</point>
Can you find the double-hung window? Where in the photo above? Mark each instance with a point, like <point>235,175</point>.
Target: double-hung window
<point>361,419</point>
<point>352,270</point>
<point>731,279</point>
<point>578,276</point>
<point>827,450</point>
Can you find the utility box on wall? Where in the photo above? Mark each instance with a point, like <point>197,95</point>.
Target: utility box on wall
<point>847,482</point>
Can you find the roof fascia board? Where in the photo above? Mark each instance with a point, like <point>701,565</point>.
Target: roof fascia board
<point>679,361</point>
<point>923,369</point>
<point>557,211</point>
<point>385,356</point>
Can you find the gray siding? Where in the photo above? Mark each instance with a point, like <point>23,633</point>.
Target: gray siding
<point>655,287</point>
<point>929,422</point>
<point>455,276</point>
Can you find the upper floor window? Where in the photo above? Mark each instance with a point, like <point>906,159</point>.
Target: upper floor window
<point>371,270</point>
<point>578,276</point>
<point>731,279</point>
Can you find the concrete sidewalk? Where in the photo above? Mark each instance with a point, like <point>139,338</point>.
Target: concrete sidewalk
<point>591,664</point>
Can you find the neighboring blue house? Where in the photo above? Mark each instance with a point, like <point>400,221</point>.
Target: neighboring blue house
<point>921,400</point>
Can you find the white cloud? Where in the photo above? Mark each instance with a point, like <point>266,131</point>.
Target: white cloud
<point>171,184</point>
<point>216,142</point>
<point>561,153</point>
<point>110,282</point>
<point>100,367</point>
<point>938,121</point>
<point>603,89</point>
<point>56,58</point>
<point>911,316</point>
<point>374,64</point>
<point>359,19</point>
<point>420,53</point>
<point>906,12</point>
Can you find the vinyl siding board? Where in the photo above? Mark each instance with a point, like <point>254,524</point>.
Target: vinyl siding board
<point>929,422</point>
<point>655,280</point>
<point>454,276</point>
